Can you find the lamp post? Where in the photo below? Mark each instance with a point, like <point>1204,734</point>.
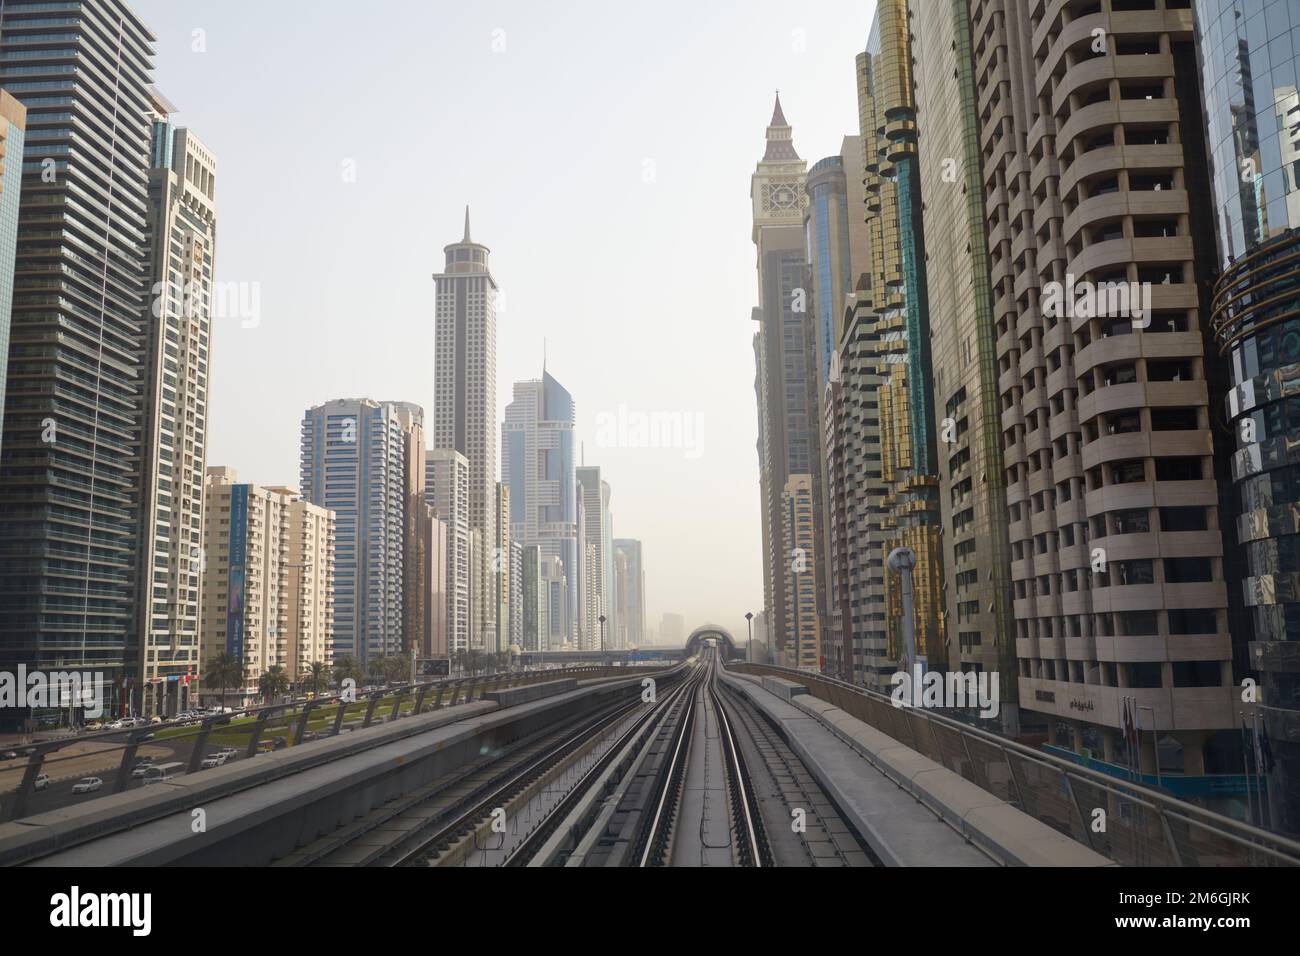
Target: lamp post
<point>749,648</point>
<point>902,561</point>
<point>603,662</point>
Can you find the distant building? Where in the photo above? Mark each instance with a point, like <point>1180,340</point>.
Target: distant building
<point>354,462</point>
<point>447,490</point>
<point>465,407</point>
<point>629,593</point>
<point>803,645</point>
<point>268,589</point>
<point>594,502</point>
<point>539,466</point>
<point>672,630</point>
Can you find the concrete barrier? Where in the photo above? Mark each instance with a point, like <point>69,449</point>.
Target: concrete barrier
<point>1002,830</point>
<point>786,690</point>
<point>513,696</point>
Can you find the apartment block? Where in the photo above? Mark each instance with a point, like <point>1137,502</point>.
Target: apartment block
<point>268,591</point>
<point>1101,248</point>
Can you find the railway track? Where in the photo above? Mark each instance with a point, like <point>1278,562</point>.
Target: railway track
<point>695,778</point>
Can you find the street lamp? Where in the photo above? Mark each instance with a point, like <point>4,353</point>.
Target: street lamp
<point>749,648</point>
<point>603,662</point>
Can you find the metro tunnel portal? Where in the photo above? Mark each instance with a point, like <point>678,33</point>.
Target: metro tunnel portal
<point>712,632</point>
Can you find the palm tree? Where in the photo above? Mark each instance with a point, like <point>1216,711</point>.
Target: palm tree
<point>224,670</point>
<point>347,668</point>
<point>273,683</point>
<point>317,677</point>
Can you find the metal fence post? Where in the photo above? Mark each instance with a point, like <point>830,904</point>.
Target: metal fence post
<point>1169,838</point>
<point>302,722</point>
<point>196,755</point>
<point>262,717</point>
<point>397,703</point>
<point>370,710</point>
<point>419,699</point>
<point>338,718</point>
<point>128,755</point>
<point>28,786</point>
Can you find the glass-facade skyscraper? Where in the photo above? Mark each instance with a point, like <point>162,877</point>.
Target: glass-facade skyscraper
<point>539,466</point>
<point>1250,61</point>
<point>69,475</point>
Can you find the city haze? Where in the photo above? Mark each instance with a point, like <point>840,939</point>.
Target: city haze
<point>606,162</point>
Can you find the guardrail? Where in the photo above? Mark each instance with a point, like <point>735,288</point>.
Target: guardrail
<point>1136,826</point>
<point>254,731</point>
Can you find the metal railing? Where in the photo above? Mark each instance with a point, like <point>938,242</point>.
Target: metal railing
<point>251,731</point>
<point>1128,823</point>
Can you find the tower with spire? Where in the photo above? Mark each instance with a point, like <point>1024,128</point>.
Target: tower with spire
<point>786,387</point>
<point>465,412</point>
<point>778,186</point>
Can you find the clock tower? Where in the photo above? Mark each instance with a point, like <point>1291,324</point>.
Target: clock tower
<point>778,185</point>
<point>789,439</point>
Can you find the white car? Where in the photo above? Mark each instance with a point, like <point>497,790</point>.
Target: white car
<point>42,781</point>
<point>87,785</point>
<point>216,760</point>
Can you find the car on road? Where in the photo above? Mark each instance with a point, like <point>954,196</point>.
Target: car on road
<point>213,760</point>
<point>228,752</point>
<point>42,781</point>
<point>9,755</point>
<point>87,785</point>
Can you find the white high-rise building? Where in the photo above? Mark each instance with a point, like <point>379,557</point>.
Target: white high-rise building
<point>182,244</point>
<point>594,499</point>
<point>465,383</point>
<point>446,488</point>
<point>354,463</point>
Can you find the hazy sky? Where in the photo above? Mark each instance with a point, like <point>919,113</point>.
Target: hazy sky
<point>605,150</point>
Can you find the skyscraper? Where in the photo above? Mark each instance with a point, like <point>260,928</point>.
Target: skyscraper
<point>629,592</point>
<point>594,501</point>
<point>446,488</point>
<point>897,298</point>
<point>803,647</point>
<point>538,464</point>
<point>354,463</point>
<point>69,476</point>
<point>437,636</point>
<point>1099,256</point>
<point>786,351</point>
<point>177,342</point>
<point>417,534</point>
<point>501,567</point>
<point>1249,79</point>
<point>967,406</point>
<point>13,132</point>
<point>465,383</point>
